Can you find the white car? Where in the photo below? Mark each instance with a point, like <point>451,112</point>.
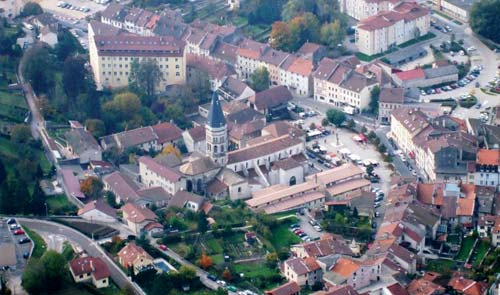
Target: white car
<point>317,228</point>
<point>221,283</point>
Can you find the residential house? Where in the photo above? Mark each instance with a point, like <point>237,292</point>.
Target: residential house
<point>360,9</point>
<point>90,269</point>
<point>234,89</point>
<point>389,99</point>
<point>340,181</point>
<point>272,102</point>
<point>426,77</point>
<point>168,134</point>
<point>155,174</point>
<point>190,201</point>
<point>337,82</point>
<point>312,51</point>
<point>290,288</point>
<point>322,248</point>
<point>459,9</point>
<point>389,28</point>
<point>304,272</point>
<point>143,138</point>
<point>153,196</point>
<point>124,188</point>
<point>81,144</point>
<point>97,210</point>
<point>194,139</point>
<point>467,287</point>
<point>71,184</point>
<point>201,68</point>
<point>134,257</point>
<point>138,218</point>
<point>485,170</point>
<point>424,286</point>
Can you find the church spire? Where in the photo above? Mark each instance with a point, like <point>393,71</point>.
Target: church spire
<point>215,116</point>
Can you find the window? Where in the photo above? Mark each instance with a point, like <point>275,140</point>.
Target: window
<point>177,74</point>
<point>239,189</point>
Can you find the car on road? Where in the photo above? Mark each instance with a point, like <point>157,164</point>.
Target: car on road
<point>24,240</point>
<point>163,247</point>
<point>221,283</point>
<point>14,227</point>
<point>11,221</point>
<point>317,228</point>
<point>212,277</point>
<point>19,232</point>
<point>232,288</point>
<point>313,222</point>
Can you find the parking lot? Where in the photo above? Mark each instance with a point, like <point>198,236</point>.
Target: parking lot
<point>14,272</point>
<point>71,13</point>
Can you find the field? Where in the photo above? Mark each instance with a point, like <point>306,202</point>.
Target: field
<point>60,205</point>
<point>480,251</point>
<point>40,246</point>
<point>467,244</point>
<point>441,266</point>
<point>283,237</point>
<point>11,155</point>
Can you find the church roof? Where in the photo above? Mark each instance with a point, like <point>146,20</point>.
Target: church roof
<point>215,116</point>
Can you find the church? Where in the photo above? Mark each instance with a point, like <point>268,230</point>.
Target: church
<point>213,170</point>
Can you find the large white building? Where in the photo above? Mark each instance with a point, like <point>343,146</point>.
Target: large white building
<point>390,28</point>
<point>485,170</point>
<point>112,53</point>
<point>359,9</point>
<point>337,82</point>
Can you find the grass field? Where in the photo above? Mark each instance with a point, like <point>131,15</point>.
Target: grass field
<point>481,250</point>
<point>39,243</point>
<point>467,244</point>
<point>283,237</point>
<point>60,205</point>
<point>441,266</point>
<point>254,270</point>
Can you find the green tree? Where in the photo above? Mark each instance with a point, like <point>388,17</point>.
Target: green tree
<point>31,8</point>
<point>20,134</point>
<point>55,268</point>
<point>38,200</point>
<point>294,8</point>
<point>324,122</point>
<point>96,127</point>
<point>145,75</point>
<point>74,76</point>
<point>38,68</point>
<point>332,34</point>
<point>260,80</point>
<point>67,45</point>
<point>304,28</point>
<point>202,222</point>
<point>3,172</point>
<point>262,11</point>
<point>335,117</point>
<point>483,19</point>
<point>374,98</point>
<point>32,279</point>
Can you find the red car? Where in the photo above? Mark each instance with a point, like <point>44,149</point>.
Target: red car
<point>163,247</point>
<point>18,232</point>
<point>299,232</point>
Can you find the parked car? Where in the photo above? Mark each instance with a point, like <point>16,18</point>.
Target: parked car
<point>313,222</point>
<point>232,288</point>
<point>294,226</point>
<point>26,255</point>
<point>24,240</point>
<point>317,228</point>
<point>18,232</point>
<point>163,247</point>
<point>221,283</point>
<point>212,277</point>
<point>11,221</point>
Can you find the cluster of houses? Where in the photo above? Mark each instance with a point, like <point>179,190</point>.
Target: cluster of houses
<point>190,53</point>
<point>416,214</point>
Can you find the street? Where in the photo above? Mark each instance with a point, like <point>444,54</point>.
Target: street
<point>89,246</point>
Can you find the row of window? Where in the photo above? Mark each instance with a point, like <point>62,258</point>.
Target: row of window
<point>119,58</point>
<point>177,74</point>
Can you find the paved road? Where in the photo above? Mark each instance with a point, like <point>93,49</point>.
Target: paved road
<point>91,247</point>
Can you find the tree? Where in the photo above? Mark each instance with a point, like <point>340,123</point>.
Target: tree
<point>312,126</point>
<point>374,97</point>
<point>332,34</point>
<point>226,275</point>
<point>111,199</point>
<point>335,116</point>
<point>272,259</point>
<point>262,11</point>
<point>74,76</point>
<point>96,127</point>
<point>38,201</point>
<point>145,75</point>
<point>483,19</point>
<point>67,45</point>
<point>3,172</point>
<point>45,275</point>
<point>281,36</point>
<point>205,261</point>
<point>91,187</point>
<point>31,8</point>
<point>38,68</point>
<point>304,28</point>
<point>355,213</point>
<point>32,278</point>
<point>202,222</point>
<point>259,79</point>
<point>171,149</point>
<point>20,134</point>
<point>294,8</point>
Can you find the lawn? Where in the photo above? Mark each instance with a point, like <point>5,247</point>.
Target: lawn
<point>416,40</point>
<point>86,289</point>
<point>12,99</point>
<point>9,150</point>
<point>441,266</point>
<point>480,251</point>
<point>453,239</point>
<point>60,205</point>
<point>283,237</point>
<point>284,214</point>
<point>467,244</point>
<point>39,243</point>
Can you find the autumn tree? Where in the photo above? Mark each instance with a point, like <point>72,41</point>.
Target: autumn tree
<point>171,149</point>
<point>226,275</point>
<point>281,36</point>
<point>304,28</point>
<point>205,261</point>
<point>91,187</point>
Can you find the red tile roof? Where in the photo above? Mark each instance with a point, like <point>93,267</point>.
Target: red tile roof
<point>289,288</point>
<point>411,74</point>
<point>488,157</point>
<point>93,265</point>
<point>130,253</point>
<point>167,132</point>
<point>138,214</point>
